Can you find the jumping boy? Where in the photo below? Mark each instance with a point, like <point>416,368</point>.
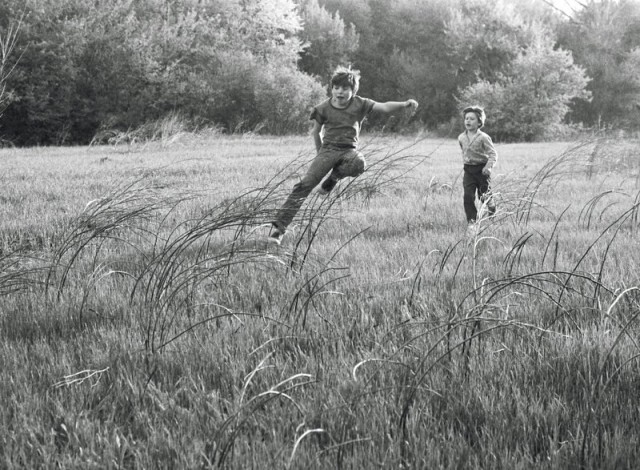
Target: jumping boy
<point>479,156</point>
<point>337,123</point>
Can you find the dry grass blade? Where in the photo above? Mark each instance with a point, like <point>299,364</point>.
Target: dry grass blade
<point>624,331</point>
<point>80,377</point>
<point>299,440</point>
<point>616,225</point>
<point>229,430</point>
<point>130,208</point>
<point>20,271</point>
<point>386,361</point>
<point>561,166</point>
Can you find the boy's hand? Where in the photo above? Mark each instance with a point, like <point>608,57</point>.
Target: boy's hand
<point>413,105</point>
<point>486,171</point>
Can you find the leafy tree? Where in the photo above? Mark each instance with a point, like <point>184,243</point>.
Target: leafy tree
<point>534,97</point>
<point>356,12</point>
<point>420,62</point>
<point>604,37</point>
<point>403,52</point>
<point>284,100</point>
<point>8,38</point>
<point>254,82</point>
<point>114,83</point>
<point>328,42</point>
<point>484,38</point>
<point>268,29</point>
<point>43,80</point>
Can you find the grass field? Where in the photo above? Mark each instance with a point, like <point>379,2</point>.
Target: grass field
<point>146,323</point>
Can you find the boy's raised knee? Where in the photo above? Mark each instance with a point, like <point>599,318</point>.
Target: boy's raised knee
<point>353,166</point>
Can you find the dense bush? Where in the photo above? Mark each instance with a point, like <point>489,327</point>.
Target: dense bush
<point>604,38</point>
<point>534,97</point>
<point>328,41</point>
<point>284,100</point>
<point>87,66</point>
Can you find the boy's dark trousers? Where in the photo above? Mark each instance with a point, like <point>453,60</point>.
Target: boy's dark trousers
<point>340,161</point>
<point>474,181</point>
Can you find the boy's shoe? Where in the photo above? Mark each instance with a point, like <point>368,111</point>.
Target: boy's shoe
<point>471,229</point>
<point>327,186</point>
<point>276,235</point>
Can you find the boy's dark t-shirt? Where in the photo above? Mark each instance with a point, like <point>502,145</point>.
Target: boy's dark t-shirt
<point>342,126</point>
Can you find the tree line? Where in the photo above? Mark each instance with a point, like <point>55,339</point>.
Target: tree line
<point>70,69</point>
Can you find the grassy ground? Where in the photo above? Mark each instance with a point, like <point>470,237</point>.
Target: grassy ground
<point>146,323</point>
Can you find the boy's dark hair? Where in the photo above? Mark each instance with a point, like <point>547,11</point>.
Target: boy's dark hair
<point>478,111</point>
<point>346,77</point>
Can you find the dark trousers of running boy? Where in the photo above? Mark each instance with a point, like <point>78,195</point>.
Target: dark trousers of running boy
<point>342,162</point>
<point>474,182</point>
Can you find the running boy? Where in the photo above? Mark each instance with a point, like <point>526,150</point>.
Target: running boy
<point>479,156</point>
<point>337,123</point>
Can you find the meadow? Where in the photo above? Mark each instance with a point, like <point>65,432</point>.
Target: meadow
<point>145,322</point>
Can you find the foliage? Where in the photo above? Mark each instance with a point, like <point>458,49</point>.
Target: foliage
<point>7,62</point>
<point>90,66</point>
<point>328,41</point>
<point>252,96</point>
<point>485,37</point>
<point>122,63</point>
<point>534,97</point>
<point>403,53</point>
<point>279,95</point>
<point>604,37</point>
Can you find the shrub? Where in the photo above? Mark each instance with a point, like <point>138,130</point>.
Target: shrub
<point>284,98</point>
<point>534,97</point>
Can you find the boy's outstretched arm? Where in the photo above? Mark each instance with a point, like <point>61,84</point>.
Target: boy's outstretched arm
<point>393,106</point>
<point>317,137</point>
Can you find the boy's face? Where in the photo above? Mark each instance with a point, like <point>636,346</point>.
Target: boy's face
<point>471,122</point>
<point>341,95</point>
